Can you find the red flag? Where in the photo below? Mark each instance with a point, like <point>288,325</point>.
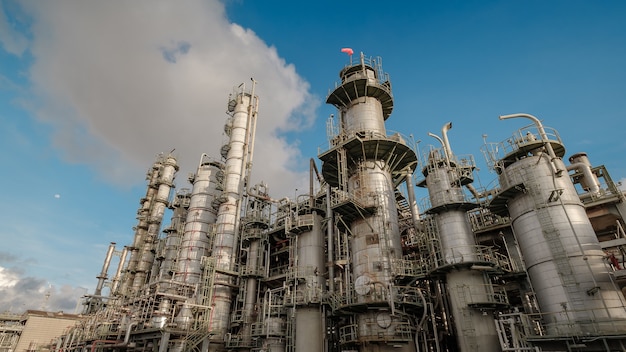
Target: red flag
<point>347,51</point>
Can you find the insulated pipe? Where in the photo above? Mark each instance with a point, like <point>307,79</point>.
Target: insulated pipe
<point>311,165</point>
<point>445,152</point>
<point>412,202</point>
<point>542,134</point>
<point>446,143</point>
<point>252,124</point>
<point>589,176</point>
<point>590,181</point>
<point>329,242</point>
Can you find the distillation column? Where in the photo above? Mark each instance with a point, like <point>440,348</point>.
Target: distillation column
<point>253,267</point>
<point>458,257</point>
<point>243,107</point>
<point>94,302</point>
<point>362,164</point>
<point>307,277</point>
<point>164,184</point>
<point>201,216</point>
<point>174,235</point>
<point>143,217</point>
<point>563,257</point>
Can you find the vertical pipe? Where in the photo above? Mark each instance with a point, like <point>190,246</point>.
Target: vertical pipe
<point>408,179</point>
<point>118,273</point>
<point>105,268</point>
<point>329,242</point>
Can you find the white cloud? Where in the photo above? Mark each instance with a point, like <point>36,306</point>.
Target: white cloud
<point>26,292</point>
<point>120,82</point>
<point>123,81</point>
<point>19,292</point>
<point>7,278</point>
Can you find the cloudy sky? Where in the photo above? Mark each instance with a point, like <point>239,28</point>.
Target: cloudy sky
<point>91,91</point>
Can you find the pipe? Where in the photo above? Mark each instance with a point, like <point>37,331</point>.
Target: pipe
<point>588,174</point>
<point>105,268</point>
<point>95,343</point>
<point>127,337</point>
<point>118,273</point>
<point>412,202</point>
<point>329,242</point>
<point>311,163</point>
<point>446,142</point>
<point>470,187</point>
<point>542,134</point>
<point>443,145</point>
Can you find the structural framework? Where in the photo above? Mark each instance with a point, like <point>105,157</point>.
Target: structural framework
<point>533,264</point>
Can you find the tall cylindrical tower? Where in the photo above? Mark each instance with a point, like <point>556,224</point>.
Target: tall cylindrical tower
<point>243,108</point>
<point>364,164</point>
<point>174,234</point>
<point>164,184</point>
<point>306,274</point>
<point>201,216</point>
<point>255,221</point>
<point>141,229</point>
<point>458,258</point>
<point>563,257</point>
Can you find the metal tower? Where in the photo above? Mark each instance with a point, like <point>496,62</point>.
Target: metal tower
<point>365,165</point>
<point>564,260</point>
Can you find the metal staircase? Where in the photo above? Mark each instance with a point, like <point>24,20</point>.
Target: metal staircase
<point>202,329</point>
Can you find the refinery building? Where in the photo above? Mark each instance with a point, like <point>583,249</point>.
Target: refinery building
<point>357,263</point>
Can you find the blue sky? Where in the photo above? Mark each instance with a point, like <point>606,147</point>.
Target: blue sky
<point>90,92</point>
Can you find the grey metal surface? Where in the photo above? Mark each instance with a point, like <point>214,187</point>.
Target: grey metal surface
<point>224,244</point>
<point>200,217</point>
<point>563,257</point>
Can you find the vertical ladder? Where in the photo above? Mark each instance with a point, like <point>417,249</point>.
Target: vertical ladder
<point>432,232</point>
<point>342,169</point>
<point>331,130</point>
<point>290,334</point>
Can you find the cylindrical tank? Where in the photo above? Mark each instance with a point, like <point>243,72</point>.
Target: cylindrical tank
<point>224,243</point>
<point>310,270</point>
<point>146,256</point>
<point>467,289</point>
<point>143,216</point>
<point>174,233</point>
<point>200,218</point>
<point>563,257</point>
